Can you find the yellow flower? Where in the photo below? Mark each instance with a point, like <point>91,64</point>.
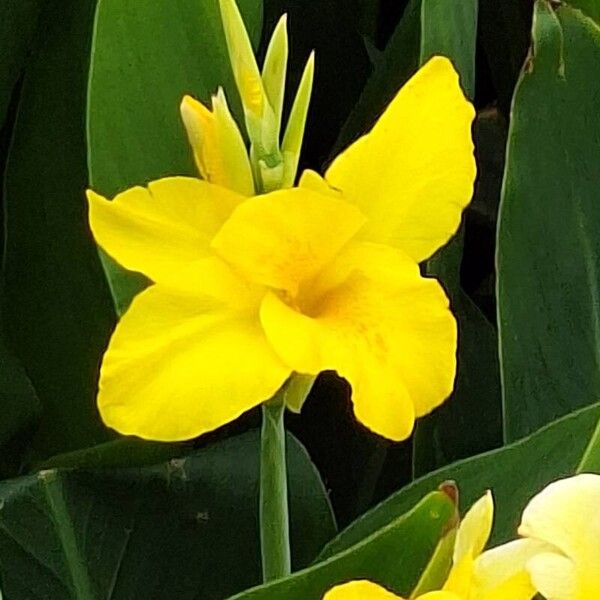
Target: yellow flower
<point>497,574</point>
<point>325,276</point>
<point>367,590</point>
<point>564,521</point>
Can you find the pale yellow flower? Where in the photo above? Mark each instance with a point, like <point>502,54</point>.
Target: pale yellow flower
<point>497,574</point>
<point>564,520</point>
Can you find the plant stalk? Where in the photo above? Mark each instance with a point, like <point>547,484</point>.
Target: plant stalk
<point>274,514</point>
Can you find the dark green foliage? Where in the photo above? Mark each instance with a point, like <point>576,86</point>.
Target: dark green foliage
<point>549,237</point>
<point>188,526</point>
<point>100,516</point>
<point>57,309</point>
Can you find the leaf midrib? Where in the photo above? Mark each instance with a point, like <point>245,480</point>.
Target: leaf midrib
<point>53,489</point>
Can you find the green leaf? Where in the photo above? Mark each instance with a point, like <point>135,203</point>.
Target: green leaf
<point>549,231</point>
<point>145,57</point>
<point>590,7</point>
<point>18,24</point>
<point>186,529</point>
<point>58,311</point>
<point>514,473</point>
<point>450,29</point>
<point>121,453</point>
<point>393,556</point>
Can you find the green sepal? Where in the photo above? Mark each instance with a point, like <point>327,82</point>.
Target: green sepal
<point>275,69</point>
<point>262,123</point>
<point>294,132</point>
<point>296,390</point>
<point>436,572</point>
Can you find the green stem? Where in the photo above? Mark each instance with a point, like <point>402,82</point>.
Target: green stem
<point>274,517</point>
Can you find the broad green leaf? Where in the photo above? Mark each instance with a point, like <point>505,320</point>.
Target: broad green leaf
<point>146,55</point>
<point>186,529</point>
<point>120,453</point>
<point>393,556</point>
<point>590,7</point>
<point>18,24</point>
<point>58,311</point>
<point>514,473</point>
<point>548,254</point>
<point>450,29</point>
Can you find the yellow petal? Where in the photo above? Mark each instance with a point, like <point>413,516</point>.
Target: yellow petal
<point>178,366</point>
<point>413,174</point>
<point>460,578</point>
<point>565,514</point>
<point>367,590</point>
<point>360,590</point>
<point>500,573</point>
<point>556,577</point>
<point>282,238</point>
<point>311,180</point>
<point>371,317</point>
<point>162,229</point>
<point>475,528</point>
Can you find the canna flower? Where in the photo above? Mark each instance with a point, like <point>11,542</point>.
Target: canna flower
<point>367,590</point>
<point>248,289</point>
<point>497,574</point>
<point>564,521</point>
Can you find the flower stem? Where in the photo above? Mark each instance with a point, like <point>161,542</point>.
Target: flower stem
<point>274,516</point>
